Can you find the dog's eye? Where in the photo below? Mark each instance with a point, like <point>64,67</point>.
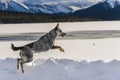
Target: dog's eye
<point>60,30</point>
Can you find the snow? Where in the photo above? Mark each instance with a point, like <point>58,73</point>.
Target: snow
<point>60,69</point>
<point>91,59</point>
<point>17,5</point>
<point>75,8</point>
<point>21,4</point>
<point>112,2</point>
<point>13,5</point>
<point>63,9</point>
<point>4,0</point>
<point>3,5</point>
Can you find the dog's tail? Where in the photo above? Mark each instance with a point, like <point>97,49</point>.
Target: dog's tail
<point>15,48</point>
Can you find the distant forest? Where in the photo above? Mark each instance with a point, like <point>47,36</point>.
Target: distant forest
<point>16,17</point>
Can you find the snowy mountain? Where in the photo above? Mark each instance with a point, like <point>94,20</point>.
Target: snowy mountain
<point>112,3</point>
<point>105,10</point>
<point>78,10</point>
<point>44,6</point>
<point>108,4</point>
<point>13,5</point>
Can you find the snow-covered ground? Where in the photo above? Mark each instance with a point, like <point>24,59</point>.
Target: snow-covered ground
<point>84,59</point>
<point>61,69</point>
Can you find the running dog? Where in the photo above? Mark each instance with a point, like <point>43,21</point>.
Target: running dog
<point>44,43</point>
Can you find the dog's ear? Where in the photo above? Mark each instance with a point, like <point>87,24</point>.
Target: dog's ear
<point>57,26</point>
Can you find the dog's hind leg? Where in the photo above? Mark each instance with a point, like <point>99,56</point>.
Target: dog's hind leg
<point>21,64</point>
<point>18,62</point>
<point>58,47</point>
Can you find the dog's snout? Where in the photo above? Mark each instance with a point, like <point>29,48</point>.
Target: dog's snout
<point>63,34</point>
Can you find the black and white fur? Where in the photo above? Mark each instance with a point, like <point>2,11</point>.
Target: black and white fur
<point>26,56</point>
<point>44,43</point>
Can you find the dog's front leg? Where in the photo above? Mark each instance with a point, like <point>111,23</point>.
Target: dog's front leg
<point>58,47</point>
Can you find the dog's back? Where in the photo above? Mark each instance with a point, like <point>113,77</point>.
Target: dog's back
<point>43,44</point>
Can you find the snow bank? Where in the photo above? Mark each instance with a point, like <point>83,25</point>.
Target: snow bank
<point>61,69</point>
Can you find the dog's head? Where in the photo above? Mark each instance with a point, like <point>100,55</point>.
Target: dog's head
<point>59,31</point>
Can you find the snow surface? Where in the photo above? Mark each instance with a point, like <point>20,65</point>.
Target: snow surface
<point>60,69</point>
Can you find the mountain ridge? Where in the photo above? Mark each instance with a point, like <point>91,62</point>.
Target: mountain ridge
<point>102,10</point>
<point>44,7</point>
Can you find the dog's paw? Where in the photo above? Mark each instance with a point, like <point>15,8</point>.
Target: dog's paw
<point>17,66</point>
<point>22,71</point>
<point>62,50</point>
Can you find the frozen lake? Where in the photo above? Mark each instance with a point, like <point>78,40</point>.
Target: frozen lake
<point>84,41</point>
<point>85,49</point>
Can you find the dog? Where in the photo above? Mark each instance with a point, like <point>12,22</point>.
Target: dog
<point>44,43</point>
<point>26,56</point>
